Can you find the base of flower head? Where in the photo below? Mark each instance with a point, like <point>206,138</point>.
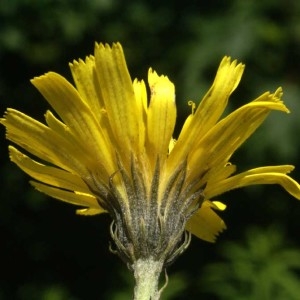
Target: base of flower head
<point>148,225</point>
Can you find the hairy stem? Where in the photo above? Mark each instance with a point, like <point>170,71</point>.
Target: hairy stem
<point>146,273</point>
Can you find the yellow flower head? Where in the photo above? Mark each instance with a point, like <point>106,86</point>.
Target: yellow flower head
<point>110,149</point>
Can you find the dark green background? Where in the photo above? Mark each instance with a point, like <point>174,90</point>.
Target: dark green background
<point>47,252</point>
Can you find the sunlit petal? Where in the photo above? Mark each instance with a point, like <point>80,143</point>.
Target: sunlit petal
<point>161,115</point>
<point>264,175</point>
<point>222,140</point>
<point>43,142</point>
<point>210,109</point>
<point>84,77</point>
<point>117,92</point>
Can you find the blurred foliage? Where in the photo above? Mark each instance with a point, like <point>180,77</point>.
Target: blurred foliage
<point>48,292</point>
<point>50,253</point>
<point>264,266</point>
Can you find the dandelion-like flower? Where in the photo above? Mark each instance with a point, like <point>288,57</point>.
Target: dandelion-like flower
<point>110,151</point>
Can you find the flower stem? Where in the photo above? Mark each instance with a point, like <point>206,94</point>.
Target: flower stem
<point>146,273</point>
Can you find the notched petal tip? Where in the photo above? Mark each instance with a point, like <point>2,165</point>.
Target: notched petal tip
<point>6,113</point>
<point>229,71</point>
<point>277,96</point>
<point>37,78</point>
<point>279,92</point>
<point>107,47</point>
<point>227,62</point>
<point>76,63</point>
<point>161,85</point>
<point>36,81</point>
<point>154,78</point>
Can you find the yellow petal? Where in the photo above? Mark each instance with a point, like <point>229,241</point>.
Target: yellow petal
<point>214,102</point>
<point>141,101</point>
<point>80,199</point>
<point>118,95</point>
<point>63,130</point>
<point>219,172</point>
<point>47,174</point>
<point>84,77</point>
<point>76,114</point>
<point>263,175</point>
<point>43,142</point>
<point>161,114</point>
<point>205,223</point>
<point>210,108</point>
<point>227,135</point>
<point>140,93</point>
<point>80,147</point>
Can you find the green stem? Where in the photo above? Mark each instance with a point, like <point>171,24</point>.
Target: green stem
<point>146,273</point>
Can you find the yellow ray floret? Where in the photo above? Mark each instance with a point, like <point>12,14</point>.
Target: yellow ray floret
<point>115,86</point>
<point>263,175</point>
<point>48,174</point>
<point>211,107</point>
<point>206,224</point>
<point>161,115</point>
